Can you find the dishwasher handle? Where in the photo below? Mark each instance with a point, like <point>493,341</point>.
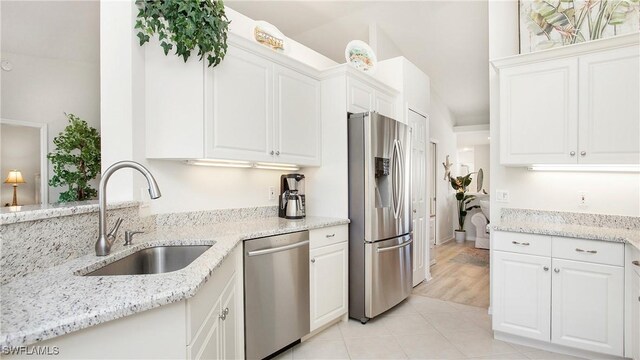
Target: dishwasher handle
<point>277,249</point>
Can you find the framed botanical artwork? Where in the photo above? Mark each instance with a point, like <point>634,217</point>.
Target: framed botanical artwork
<point>546,24</point>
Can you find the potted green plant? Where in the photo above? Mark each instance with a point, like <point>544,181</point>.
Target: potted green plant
<point>460,184</point>
<point>76,160</point>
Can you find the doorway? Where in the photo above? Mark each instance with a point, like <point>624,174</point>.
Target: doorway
<point>419,195</point>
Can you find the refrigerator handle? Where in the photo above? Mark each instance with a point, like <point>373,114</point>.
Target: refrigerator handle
<point>402,190</point>
<point>397,169</point>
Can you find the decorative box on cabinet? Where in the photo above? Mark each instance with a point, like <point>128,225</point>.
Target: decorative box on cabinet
<point>562,291</point>
<point>328,275</point>
<point>571,105</point>
<point>256,105</point>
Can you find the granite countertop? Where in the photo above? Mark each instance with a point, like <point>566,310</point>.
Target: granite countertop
<point>573,231</point>
<point>56,301</point>
<point>16,214</point>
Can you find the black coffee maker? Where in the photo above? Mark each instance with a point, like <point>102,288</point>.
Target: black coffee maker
<point>291,200</point>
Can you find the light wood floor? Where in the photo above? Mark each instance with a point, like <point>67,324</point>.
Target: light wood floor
<point>463,283</point>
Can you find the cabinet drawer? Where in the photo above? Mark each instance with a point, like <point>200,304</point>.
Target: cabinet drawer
<point>532,244</point>
<point>595,251</point>
<point>327,236</point>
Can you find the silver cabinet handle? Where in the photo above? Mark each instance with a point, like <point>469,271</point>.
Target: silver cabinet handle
<point>313,260</point>
<point>272,152</point>
<point>546,268</point>
<point>573,153</point>
<point>583,153</point>
<point>586,251</point>
<point>519,243</point>
<point>278,153</point>
<point>331,235</point>
<point>224,314</point>
<point>556,270</point>
<point>394,247</point>
<point>277,249</point>
<point>636,262</point>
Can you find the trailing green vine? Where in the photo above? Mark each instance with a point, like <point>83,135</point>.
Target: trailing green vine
<point>185,25</point>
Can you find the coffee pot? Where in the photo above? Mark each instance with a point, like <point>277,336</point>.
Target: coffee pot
<point>292,199</point>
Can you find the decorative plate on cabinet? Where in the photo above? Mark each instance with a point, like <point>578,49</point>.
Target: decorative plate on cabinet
<point>360,55</point>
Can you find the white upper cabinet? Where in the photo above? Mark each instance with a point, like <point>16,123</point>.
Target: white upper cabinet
<point>363,97</point>
<point>571,105</point>
<point>297,117</point>
<point>538,112</point>
<point>609,107</point>
<point>256,105</point>
<point>239,115</point>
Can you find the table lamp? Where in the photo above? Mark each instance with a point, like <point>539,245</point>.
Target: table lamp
<point>14,178</point>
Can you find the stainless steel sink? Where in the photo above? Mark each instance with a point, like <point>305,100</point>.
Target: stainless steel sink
<point>154,260</point>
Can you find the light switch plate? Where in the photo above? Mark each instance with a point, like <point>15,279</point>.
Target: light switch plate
<point>583,199</point>
<point>502,196</point>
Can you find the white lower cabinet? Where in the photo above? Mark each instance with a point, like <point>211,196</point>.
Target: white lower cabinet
<point>568,292</point>
<point>588,306</point>
<point>522,295</point>
<point>328,274</point>
<point>632,302</point>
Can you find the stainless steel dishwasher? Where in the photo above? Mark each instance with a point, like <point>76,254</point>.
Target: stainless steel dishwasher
<point>276,292</point>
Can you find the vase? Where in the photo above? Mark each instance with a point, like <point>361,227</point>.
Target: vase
<point>461,236</point>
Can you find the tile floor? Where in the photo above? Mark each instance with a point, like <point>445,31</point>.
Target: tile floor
<point>418,328</point>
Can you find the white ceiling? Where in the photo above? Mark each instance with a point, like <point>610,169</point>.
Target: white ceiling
<point>68,30</point>
<point>448,40</point>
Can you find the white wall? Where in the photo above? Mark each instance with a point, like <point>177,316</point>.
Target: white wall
<point>184,187</point>
<point>482,160</point>
<point>607,193</point>
<point>41,90</point>
<point>441,130</point>
<point>20,149</point>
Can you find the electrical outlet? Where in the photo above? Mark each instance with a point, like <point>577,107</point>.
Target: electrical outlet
<point>272,192</point>
<point>502,196</point>
<point>582,199</point>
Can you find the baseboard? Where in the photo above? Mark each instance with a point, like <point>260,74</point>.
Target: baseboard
<point>547,346</point>
<point>445,241</point>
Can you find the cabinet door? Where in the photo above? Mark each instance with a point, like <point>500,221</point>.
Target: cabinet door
<point>328,283</point>
<point>359,96</point>
<point>385,105</point>
<point>297,117</point>
<point>207,344</point>
<point>539,113</point>
<point>229,321</point>
<point>522,295</point>
<point>239,114</point>
<point>609,111</point>
<point>588,306</point>
<point>635,317</point>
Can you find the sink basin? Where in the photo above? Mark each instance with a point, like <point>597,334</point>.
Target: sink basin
<point>154,260</point>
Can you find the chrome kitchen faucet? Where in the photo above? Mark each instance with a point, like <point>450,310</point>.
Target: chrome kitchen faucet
<point>106,240</point>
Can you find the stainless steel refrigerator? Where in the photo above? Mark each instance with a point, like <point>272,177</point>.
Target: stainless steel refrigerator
<point>380,238</point>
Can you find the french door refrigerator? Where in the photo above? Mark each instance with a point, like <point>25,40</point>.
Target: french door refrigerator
<point>380,238</point>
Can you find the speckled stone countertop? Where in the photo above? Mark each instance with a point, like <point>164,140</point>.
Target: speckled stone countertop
<point>575,225</point>
<point>16,214</point>
<point>58,301</point>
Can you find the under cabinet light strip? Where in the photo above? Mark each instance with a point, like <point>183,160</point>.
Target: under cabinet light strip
<point>586,168</point>
<point>243,164</point>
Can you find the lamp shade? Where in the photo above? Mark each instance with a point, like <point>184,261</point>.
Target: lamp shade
<point>14,177</point>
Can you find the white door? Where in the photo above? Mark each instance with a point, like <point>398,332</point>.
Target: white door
<point>539,113</point>
<point>609,111</point>
<point>238,100</point>
<point>588,306</point>
<point>522,295</point>
<point>385,105</point>
<point>229,321</point>
<point>328,283</point>
<point>418,124</point>
<point>359,96</point>
<point>297,117</point>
